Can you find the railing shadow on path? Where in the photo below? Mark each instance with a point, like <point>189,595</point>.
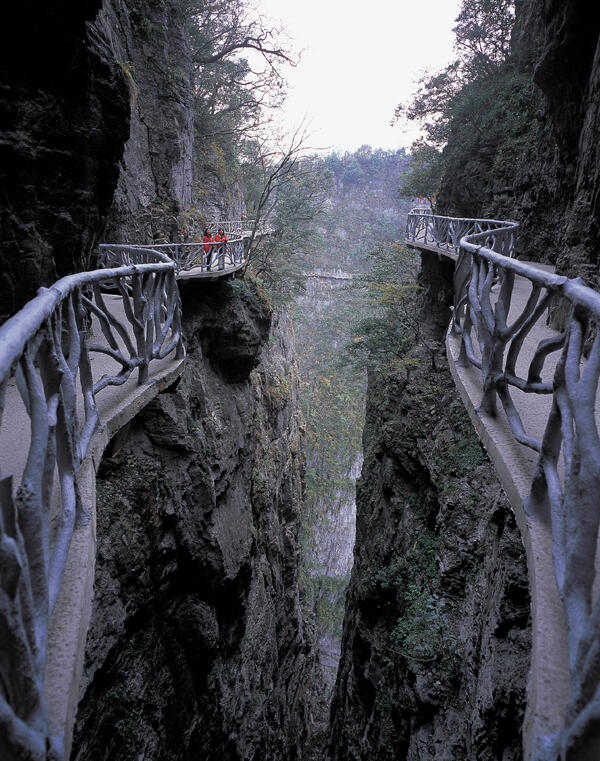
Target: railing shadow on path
<point>543,440</point>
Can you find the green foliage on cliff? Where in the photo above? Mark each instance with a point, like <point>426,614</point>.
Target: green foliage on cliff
<point>482,35</point>
<point>422,635</point>
<point>324,596</point>
<point>232,93</point>
<point>332,400</point>
<point>367,168</point>
<point>425,173</point>
<point>235,84</point>
<point>479,116</point>
<point>320,208</point>
<point>488,139</point>
<point>290,192</point>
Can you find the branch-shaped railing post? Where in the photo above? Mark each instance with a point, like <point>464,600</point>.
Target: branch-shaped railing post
<point>566,483</point>
<point>86,333</point>
<point>194,258</point>
<point>45,353</point>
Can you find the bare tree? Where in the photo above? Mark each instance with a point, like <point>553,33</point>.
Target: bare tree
<point>238,59</point>
<point>226,26</point>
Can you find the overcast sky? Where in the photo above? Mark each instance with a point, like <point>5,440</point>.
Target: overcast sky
<point>359,62</point>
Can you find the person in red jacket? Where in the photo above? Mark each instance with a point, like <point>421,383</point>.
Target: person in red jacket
<point>208,238</point>
<point>222,239</point>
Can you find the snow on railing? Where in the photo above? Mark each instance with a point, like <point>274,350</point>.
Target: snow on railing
<point>566,486</point>
<point>46,366</point>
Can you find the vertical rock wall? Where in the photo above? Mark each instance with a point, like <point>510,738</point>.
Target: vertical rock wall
<point>97,101</point>
<point>540,161</point>
<point>435,650</point>
<point>150,43</point>
<point>568,71</point>
<point>65,119</point>
<point>197,648</point>
<point>168,167</point>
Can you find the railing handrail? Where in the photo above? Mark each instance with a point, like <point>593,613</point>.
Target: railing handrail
<point>507,223</point>
<point>182,245</point>
<point>573,289</point>
<point>204,256</point>
<point>49,392</point>
<point>241,224</point>
<point>21,327</point>
<point>145,248</point>
<point>57,355</point>
<point>441,232</point>
<point>223,222</point>
<point>561,515</point>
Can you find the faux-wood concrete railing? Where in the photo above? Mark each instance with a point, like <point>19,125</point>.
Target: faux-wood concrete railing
<point>194,260</point>
<point>191,259</point>
<point>67,361</point>
<point>500,349</point>
<point>67,365</point>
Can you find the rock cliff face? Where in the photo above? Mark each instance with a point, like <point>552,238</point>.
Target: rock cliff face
<point>167,168</point>
<point>538,159</point>
<point>150,45</point>
<point>568,72</point>
<point>197,648</point>
<point>102,129</point>
<point>436,639</point>
<point>64,123</point>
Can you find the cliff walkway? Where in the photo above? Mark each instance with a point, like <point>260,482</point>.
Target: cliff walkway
<point>76,364</point>
<point>196,260</point>
<point>532,394</point>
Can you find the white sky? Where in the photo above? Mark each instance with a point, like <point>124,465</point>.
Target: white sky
<point>359,62</point>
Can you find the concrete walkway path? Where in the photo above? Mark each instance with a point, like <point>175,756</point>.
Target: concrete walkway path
<point>515,465</point>
<point>117,405</point>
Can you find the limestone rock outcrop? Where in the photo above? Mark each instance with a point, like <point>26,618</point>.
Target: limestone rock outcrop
<point>197,647</point>
<point>435,650</point>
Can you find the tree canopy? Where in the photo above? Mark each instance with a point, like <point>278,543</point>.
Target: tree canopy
<point>455,101</point>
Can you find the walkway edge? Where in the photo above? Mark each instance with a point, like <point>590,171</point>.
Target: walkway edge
<point>69,624</point>
<point>548,685</point>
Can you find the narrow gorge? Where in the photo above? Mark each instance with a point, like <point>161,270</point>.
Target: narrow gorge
<point>302,551</point>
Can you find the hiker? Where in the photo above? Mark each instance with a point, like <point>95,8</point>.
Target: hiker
<point>208,238</point>
<point>222,239</point>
